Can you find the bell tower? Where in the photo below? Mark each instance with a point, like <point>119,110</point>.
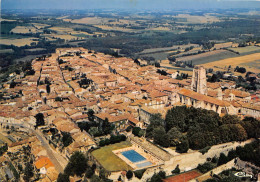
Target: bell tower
<point>199,81</point>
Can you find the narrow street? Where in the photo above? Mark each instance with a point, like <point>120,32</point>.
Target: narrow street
<point>58,161</point>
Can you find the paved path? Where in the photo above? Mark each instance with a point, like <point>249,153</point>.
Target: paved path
<point>58,161</point>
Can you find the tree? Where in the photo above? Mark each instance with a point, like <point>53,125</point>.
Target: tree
<point>28,172</point>
<point>252,127</point>
<point>207,166</point>
<point>129,174</point>
<point>58,99</point>
<point>238,133</point>
<point>48,89</point>
<point>240,69</point>
<point>89,172</point>
<point>103,174</point>
<point>136,131</point>
<point>106,126</point>
<point>176,170</point>
<point>175,117</point>
<point>186,49</point>
<point>214,78</point>
<point>160,137</point>
<point>3,149</point>
<point>12,84</point>
<point>77,164</point>
<point>95,178</point>
<point>183,146</point>
<point>157,65</point>
<point>91,114</point>
<point>230,119</point>
<point>230,179</point>
<point>63,178</point>
<point>174,136</point>
<point>172,59</point>
<point>66,139</point>
<point>162,174</point>
<point>223,159</point>
<point>94,131</point>
<point>158,177</point>
<point>139,173</point>
<point>39,119</point>
<point>155,121</point>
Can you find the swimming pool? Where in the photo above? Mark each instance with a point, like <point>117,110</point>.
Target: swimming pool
<point>144,164</point>
<point>133,156</point>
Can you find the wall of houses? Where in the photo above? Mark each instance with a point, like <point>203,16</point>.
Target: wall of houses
<point>205,105</point>
<point>250,112</point>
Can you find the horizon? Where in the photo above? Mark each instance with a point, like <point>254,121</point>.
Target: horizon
<point>129,4</point>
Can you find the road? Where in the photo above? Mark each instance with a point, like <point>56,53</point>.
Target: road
<point>56,158</point>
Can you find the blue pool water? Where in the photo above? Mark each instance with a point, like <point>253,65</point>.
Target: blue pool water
<point>144,164</point>
<point>133,156</point>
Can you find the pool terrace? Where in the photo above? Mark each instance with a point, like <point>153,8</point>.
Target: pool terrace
<point>136,158</point>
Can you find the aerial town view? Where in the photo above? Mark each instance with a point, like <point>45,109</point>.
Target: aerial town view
<point>130,91</point>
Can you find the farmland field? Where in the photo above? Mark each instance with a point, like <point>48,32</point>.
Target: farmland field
<point>6,27</point>
<point>18,42</point>
<point>158,56</point>
<point>246,50</point>
<point>24,29</point>
<point>223,45</point>
<point>65,37</point>
<point>88,20</point>
<point>191,19</point>
<point>248,61</point>
<point>3,51</point>
<point>5,139</point>
<point>208,57</point>
<point>165,64</point>
<point>115,28</point>
<point>145,51</point>
<point>39,25</point>
<point>27,58</point>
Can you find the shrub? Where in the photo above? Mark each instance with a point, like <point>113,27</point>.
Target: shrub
<point>176,170</point>
<point>136,131</point>
<point>223,159</point>
<point>204,150</point>
<point>129,174</point>
<point>128,128</point>
<point>139,173</point>
<point>203,168</point>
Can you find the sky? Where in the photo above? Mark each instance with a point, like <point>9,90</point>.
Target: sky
<point>128,4</point>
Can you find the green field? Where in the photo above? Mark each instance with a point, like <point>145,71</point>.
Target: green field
<point>246,50</point>
<point>158,56</point>
<point>109,160</point>
<point>253,64</point>
<point>202,59</point>
<point>3,51</point>
<point>7,26</point>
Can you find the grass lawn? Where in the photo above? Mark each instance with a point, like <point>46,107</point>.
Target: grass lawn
<point>109,160</point>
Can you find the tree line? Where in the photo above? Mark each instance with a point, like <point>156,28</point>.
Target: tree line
<point>195,128</point>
